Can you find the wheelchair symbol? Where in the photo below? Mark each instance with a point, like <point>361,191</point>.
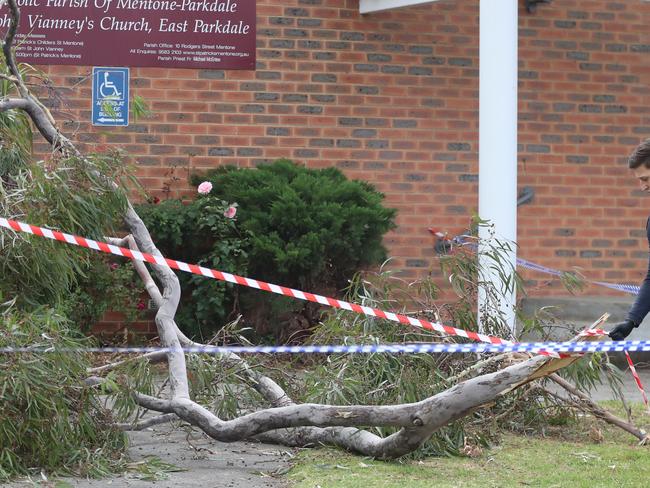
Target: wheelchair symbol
<point>110,96</point>
<point>107,88</point>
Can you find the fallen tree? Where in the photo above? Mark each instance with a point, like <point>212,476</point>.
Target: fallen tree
<point>283,420</point>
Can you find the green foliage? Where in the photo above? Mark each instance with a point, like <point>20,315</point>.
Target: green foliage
<point>466,274</point>
<point>15,141</point>
<point>199,232</point>
<point>106,285</point>
<point>311,229</point>
<point>48,419</point>
<point>213,382</point>
<point>69,194</point>
<point>211,377</point>
<point>140,108</point>
<point>66,194</point>
<point>573,281</point>
<point>152,468</point>
<point>384,379</point>
<point>15,133</point>
<point>134,374</point>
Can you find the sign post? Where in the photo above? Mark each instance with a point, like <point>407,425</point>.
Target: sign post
<point>111,96</point>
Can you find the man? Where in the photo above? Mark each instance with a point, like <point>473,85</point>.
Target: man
<point>639,163</point>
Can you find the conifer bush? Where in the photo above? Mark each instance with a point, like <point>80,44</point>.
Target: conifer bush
<point>282,223</point>
<point>310,229</point>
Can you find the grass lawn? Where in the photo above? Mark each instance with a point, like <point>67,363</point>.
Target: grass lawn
<point>569,460</point>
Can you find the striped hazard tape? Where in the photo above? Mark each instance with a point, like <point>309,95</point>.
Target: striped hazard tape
<point>463,240</point>
<point>249,282</point>
<point>261,285</point>
<point>418,348</point>
<point>637,380</point>
<point>626,288</point>
<point>460,240</point>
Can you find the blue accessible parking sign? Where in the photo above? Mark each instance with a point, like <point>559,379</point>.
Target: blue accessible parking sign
<point>111,96</point>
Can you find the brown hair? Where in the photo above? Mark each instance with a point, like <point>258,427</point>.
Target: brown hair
<point>640,156</point>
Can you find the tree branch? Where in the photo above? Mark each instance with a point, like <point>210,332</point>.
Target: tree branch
<point>418,420</point>
<point>159,419</point>
<point>600,412</point>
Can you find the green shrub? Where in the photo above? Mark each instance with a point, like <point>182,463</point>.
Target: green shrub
<point>48,420</point>
<point>297,227</point>
<point>199,232</point>
<point>311,229</point>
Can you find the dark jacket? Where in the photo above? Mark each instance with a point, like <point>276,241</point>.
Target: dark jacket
<point>641,305</point>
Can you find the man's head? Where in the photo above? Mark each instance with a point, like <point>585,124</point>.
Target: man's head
<point>639,162</point>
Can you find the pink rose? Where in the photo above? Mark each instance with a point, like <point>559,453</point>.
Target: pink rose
<point>205,188</point>
<point>141,305</point>
<point>114,266</point>
<point>230,212</point>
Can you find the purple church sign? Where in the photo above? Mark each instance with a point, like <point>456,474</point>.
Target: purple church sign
<point>215,34</point>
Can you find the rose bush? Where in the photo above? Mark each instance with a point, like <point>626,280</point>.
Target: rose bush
<point>203,231</point>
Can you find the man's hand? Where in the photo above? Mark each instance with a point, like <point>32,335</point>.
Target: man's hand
<point>621,330</point>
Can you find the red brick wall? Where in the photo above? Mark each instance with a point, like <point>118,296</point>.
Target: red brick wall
<point>116,324</point>
<point>584,106</point>
<point>393,98</point>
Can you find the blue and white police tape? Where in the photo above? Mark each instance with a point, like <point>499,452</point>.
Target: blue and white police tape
<point>419,348</point>
<point>632,289</point>
<point>524,263</point>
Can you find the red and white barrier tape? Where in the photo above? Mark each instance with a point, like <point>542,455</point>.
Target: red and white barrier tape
<point>250,282</point>
<point>637,379</point>
<point>592,332</point>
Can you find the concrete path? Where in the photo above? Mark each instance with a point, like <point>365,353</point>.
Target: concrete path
<point>209,464</point>
<point>630,390</point>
